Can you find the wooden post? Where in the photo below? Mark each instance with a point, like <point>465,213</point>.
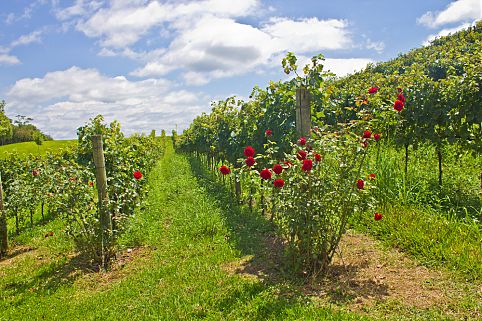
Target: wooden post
<point>303,112</point>
<point>101,179</point>
<point>406,159</point>
<point>237,188</point>
<point>439,156</point>
<point>3,224</point>
<point>481,183</point>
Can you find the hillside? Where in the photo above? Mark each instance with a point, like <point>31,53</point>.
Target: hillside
<point>32,148</point>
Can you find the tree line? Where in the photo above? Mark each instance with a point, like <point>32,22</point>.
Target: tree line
<point>19,130</point>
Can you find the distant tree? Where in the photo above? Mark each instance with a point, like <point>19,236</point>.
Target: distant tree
<point>6,128</point>
<point>22,120</point>
<point>174,137</point>
<point>38,138</point>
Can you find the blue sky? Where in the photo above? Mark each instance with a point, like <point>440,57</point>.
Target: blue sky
<point>158,64</point>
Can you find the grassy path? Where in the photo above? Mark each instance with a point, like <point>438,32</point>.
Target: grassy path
<point>191,253</point>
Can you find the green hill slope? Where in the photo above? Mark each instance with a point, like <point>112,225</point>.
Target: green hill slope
<point>31,148</point>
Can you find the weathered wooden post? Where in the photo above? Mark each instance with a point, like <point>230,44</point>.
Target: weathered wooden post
<point>237,188</point>
<point>101,179</point>
<point>303,112</point>
<point>3,224</point>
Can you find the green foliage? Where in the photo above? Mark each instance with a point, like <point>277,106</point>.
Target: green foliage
<point>6,128</point>
<point>20,131</point>
<point>38,138</point>
<point>64,182</point>
<point>313,207</point>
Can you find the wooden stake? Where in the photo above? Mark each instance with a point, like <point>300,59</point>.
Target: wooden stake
<point>101,179</point>
<point>3,224</point>
<point>303,112</point>
<point>237,188</point>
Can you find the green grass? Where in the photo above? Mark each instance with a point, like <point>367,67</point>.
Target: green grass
<point>32,148</point>
<point>459,196</point>
<point>439,225</point>
<point>190,236</point>
<point>433,239</point>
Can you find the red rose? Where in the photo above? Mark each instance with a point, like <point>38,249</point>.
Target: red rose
<point>364,144</point>
<point>34,172</point>
<point>372,90</point>
<point>398,105</point>
<point>279,183</point>
<point>377,137</point>
<point>302,141</point>
<point>360,184</point>
<point>224,170</point>
<point>367,134</point>
<point>265,174</point>
<point>401,97</point>
<point>250,161</point>
<point>137,175</point>
<point>399,89</point>
<point>277,168</point>
<point>307,165</point>
<point>249,151</point>
<point>268,132</point>
<point>318,157</point>
<point>378,216</point>
<point>91,183</point>
<point>372,176</point>
<point>301,155</point>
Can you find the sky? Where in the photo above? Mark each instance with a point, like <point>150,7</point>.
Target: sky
<point>158,64</point>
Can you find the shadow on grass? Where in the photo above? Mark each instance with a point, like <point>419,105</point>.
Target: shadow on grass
<point>15,252</point>
<point>254,236</point>
<point>50,277</point>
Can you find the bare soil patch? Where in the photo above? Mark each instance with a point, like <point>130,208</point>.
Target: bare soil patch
<point>365,275</point>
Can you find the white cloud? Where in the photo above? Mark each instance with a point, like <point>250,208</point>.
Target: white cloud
<point>27,12</point>
<point>61,101</point>
<point>214,47</point>
<point>153,69</point>
<point>79,8</point>
<point>27,39</point>
<point>457,11</point>
<point>10,18</point>
<point>445,32</point>
<point>339,66</point>
<point>125,22</point>
<point>6,59</point>
<point>308,34</point>
<point>344,66</point>
<point>378,46</point>
<point>205,39</point>
<point>124,26</point>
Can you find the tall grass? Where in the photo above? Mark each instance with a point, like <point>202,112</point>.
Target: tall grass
<point>439,225</point>
<point>457,197</point>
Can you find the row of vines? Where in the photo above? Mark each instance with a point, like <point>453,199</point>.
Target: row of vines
<point>310,186</point>
<point>63,185</point>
